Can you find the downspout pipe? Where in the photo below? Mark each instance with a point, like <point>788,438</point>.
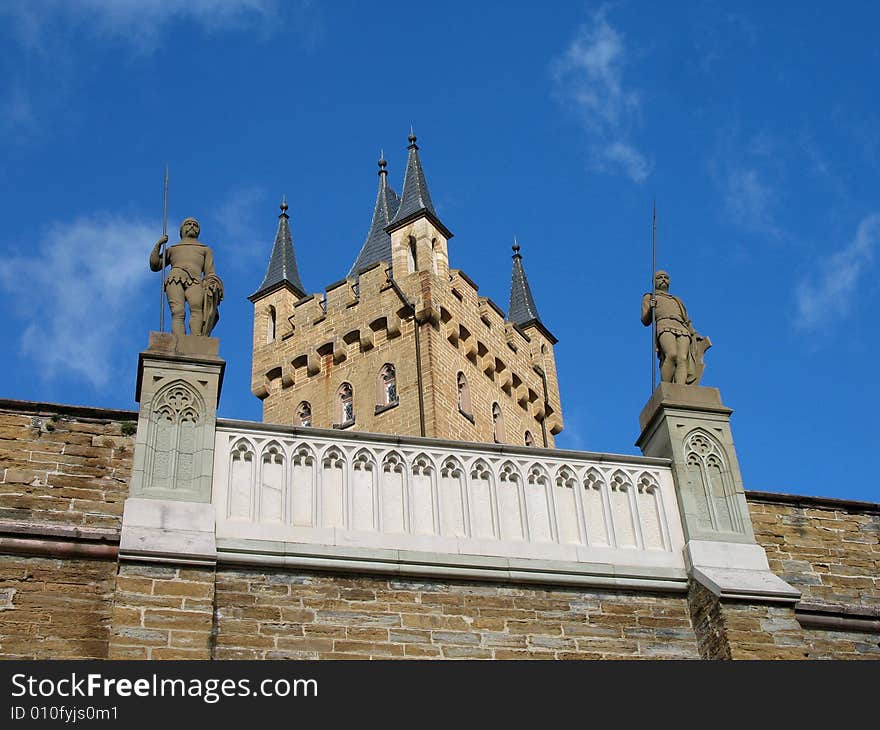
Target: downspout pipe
<point>40,547</point>
<point>412,308</point>
<point>543,375</point>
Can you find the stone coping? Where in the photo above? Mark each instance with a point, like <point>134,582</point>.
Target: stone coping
<point>671,396</point>
<point>804,500</point>
<point>68,532</point>
<point>351,559</point>
<point>397,440</point>
<point>92,413</point>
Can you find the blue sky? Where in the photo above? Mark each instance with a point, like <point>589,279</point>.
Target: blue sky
<point>757,130</point>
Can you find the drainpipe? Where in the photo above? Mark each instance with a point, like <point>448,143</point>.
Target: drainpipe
<point>412,308</point>
<point>540,372</point>
<point>57,548</point>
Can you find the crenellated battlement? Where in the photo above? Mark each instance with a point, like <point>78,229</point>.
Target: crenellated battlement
<point>404,344</point>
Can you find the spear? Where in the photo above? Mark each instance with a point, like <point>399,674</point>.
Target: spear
<point>653,309</point>
<point>164,233</point>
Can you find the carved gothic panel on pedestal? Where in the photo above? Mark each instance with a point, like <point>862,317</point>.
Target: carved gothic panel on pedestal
<point>175,417</point>
<point>710,486</point>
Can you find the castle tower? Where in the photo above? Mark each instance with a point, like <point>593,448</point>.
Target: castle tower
<point>404,344</point>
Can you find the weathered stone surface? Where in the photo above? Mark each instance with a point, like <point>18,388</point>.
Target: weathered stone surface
<point>458,330</point>
<point>63,469</point>
<point>150,616</point>
<point>376,617</point>
<point>55,609</point>
<point>832,555</point>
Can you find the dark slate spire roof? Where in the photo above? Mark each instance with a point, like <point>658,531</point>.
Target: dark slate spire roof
<point>522,304</point>
<point>377,247</point>
<point>415,198</point>
<point>523,310</point>
<point>282,264</point>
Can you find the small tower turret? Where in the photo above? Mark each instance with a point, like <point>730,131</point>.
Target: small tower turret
<point>523,313</point>
<point>274,300</point>
<point>377,246</point>
<point>418,237</point>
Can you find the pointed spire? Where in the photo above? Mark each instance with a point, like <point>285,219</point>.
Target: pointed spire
<point>523,310</point>
<point>415,199</point>
<point>282,263</point>
<point>377,246</point>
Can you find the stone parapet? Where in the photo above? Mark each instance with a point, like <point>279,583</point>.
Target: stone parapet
<point>367,502</point>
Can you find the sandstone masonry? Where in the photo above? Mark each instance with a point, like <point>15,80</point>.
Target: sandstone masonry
<point>63,593</point>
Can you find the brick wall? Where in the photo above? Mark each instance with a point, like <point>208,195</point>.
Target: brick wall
<point>162,612</point>
<point>356,336</point>
<point>55,608</point>
<point>64,473</point>
<point>282,614</point>
<point>828,549</point>
<point>63,464</point>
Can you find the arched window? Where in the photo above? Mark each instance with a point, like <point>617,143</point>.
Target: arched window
<point>304,413</point>
<point>434,255</point>
<point>464,395</point>
<point>497,423</point>
<point>386,386</point>
<point>345,405</point>
<point>530,440</point>
<point>270,325</point>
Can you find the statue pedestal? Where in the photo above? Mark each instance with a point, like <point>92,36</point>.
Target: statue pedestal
<point>169,515</point>
<point>691,426</point>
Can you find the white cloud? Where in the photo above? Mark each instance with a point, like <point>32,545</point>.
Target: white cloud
<point>749,201</point>
<point>244,215</point>
<point>829,294</point>
<point>589,79</point>
<point>77,293</point>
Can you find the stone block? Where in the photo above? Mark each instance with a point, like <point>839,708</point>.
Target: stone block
<point>168,531</point>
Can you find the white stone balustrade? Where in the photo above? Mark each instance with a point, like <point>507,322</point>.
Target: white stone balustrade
<point>331,499</point>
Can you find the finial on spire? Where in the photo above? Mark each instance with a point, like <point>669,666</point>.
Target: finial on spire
<point>412,138</point>
<point>383,163</point>
<point>283,204</point>
<point>515,247</point>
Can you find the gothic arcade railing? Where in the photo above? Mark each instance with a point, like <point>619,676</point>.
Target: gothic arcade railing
<point>353,490</point>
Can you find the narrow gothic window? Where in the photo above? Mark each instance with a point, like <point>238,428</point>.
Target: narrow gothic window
<point>464,395</point>
<point>530,440</point>
<point>304,413</point>
<point>497,423</point>
<point>434,255</point>
<point>412,254</point>
<point>270,325</point>
<point>345,400</point>
<point>387,386</point>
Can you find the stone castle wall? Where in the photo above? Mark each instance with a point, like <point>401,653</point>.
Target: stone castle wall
<point>64,593</point>
<point>64,474</point>
<point>297,615</point>
<point>317,347</point>
<point>829,549</point>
